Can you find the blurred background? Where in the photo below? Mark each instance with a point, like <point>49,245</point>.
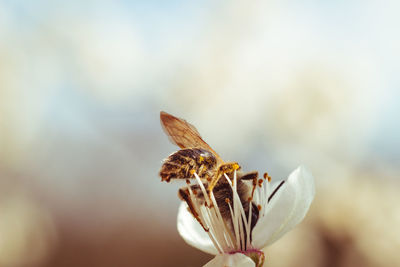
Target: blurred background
<point>270,84</point>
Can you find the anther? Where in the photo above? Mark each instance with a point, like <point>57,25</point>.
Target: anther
<point>227,200</point>
<point>192,171</point>
<point>260,182</point>
<point>259,207</point>
<point>187,181</point>
<point>265,175</point>
<point>235,166</point>
<point>250,199</point>
<point>269,179</point>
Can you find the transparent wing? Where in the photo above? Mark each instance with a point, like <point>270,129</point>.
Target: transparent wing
<point>183,134</point>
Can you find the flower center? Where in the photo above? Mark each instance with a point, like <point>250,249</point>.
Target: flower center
<point>229,212</point>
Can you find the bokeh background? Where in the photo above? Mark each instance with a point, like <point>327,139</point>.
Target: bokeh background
<point>270,84</point>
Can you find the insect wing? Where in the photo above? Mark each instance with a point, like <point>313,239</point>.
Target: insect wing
<point>183,134</point>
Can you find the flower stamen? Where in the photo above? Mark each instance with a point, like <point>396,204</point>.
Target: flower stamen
<point>232,233</point>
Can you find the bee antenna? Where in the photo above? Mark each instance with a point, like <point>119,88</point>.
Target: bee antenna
<point>276,190</point>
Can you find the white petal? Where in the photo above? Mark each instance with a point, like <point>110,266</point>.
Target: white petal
<point>192,232</point>
<point>286,209</point>
<point>231,260</point>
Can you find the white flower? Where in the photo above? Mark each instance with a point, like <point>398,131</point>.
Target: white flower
<point>280,208</point>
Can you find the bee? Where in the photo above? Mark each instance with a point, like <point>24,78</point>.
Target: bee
<point>196,156</point>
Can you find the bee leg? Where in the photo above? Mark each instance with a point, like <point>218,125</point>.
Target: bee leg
<point>184,195</point>
<point>227,168</point>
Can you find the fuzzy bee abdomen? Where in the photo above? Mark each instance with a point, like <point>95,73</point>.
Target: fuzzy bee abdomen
<point>183,163</point>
